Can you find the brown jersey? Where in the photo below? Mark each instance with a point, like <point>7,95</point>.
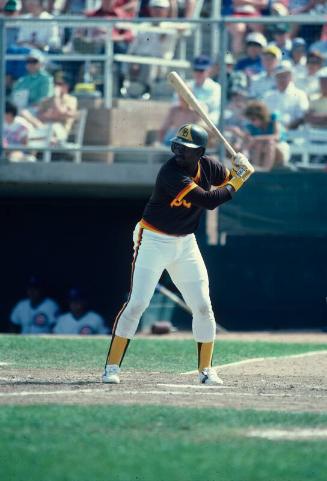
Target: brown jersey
<point>178,200</point>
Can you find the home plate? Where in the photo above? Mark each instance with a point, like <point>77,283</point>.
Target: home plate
<point>192,386</point>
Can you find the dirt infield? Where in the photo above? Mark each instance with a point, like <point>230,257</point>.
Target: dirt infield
<point>294,383</point>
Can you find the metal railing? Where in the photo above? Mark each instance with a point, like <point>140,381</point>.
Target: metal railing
<point>219,42</point>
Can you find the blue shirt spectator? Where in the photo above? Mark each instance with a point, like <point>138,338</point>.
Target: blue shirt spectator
<point>251,64</point>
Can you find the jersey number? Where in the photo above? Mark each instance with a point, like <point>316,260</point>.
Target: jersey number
<point>180,203</point>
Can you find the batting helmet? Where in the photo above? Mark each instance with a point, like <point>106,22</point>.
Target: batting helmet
<point>191,136</point>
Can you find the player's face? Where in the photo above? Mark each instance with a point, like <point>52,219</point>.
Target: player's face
<point>77,308</point>
<point>34,294</point>
<point>186,157</point>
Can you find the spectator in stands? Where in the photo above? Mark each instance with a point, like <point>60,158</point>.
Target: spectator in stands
<point>264,138</point>
<point>281,35</point>
<point>317,114</point>
<point>15,132</point>
<point>37,36</point>
<point>259,84</point>
<point>183,8</point>
<point>206,90</point>
<point>251,64</point>
<point>309,80</point>
<point>121,37</point>
<point>14,68</point>
<point>11,9</point>
<point>235,79</point>
<point>299,57</point>
<point>177,115</point>
<point>242,8</point>
<point>94,39</point>
<point>79,319</point>
<point>59,110</point>
<point>150,44</point>
<point>309,32</point>
<point>36,314</point>
<point>288,101</point>
<point>29,90</point>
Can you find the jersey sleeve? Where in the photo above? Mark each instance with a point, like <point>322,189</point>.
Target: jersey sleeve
<point>209,200</point>
<point>177,186</point>
<point>219,173</point>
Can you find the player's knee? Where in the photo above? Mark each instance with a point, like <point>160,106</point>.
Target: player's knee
<point>203,310</point>
<point>204,330</point>
<point>135,308</point>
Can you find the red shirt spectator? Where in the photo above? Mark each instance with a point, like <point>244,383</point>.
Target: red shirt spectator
<point>113,9</point>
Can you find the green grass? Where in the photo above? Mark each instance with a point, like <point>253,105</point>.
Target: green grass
<point>149,443</point>
<point>114,443</point>
<point>143,354</point>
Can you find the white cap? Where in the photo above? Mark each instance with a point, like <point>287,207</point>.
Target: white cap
<point>159,3</point>
<point>36,54</point>
<point>283,67</point>
<point>229,59</point>
<point>256,37</point>
<point>322,73</point>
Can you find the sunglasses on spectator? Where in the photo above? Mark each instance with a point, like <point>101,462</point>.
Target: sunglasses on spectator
<point>32,60</point>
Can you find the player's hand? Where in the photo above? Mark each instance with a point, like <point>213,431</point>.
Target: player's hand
<point>241,174</point>
<point>240,160</point>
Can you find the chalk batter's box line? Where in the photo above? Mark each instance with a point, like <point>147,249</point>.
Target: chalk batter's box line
<point>260,359</point>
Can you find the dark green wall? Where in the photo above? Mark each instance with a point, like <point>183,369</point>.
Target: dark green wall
<point>263,277</point>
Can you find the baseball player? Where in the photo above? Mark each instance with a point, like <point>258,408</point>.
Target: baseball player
<point>79,320</point>
<point>164,239</point>
<point>37,313</point>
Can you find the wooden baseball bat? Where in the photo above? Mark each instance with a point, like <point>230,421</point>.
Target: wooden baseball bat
<point>183,90</point>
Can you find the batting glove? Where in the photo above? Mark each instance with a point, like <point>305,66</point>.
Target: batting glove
<point>241,175</point>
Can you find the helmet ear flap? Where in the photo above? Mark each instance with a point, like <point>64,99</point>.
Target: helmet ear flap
<point>202,151</point>
<point>173,147</point>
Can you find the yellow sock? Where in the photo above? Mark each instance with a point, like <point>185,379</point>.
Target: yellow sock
<point>205,352</point>
<point>117,350</point>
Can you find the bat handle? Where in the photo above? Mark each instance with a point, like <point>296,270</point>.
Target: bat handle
<point>229,148</point>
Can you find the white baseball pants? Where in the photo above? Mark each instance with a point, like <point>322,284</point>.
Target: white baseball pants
<point>153,253</point>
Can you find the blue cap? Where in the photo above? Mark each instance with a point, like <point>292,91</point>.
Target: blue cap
<point>203,62</point>
<point>298,42</point>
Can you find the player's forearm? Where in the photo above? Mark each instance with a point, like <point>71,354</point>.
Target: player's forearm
<point>209,200</point>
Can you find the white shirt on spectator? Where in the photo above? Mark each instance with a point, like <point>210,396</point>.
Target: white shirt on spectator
<point>90,323</point>
<point>291,104</point>
<point>15,133</point>
<point>46,35</point>
<point>309,83</point>
<point>260,84</point>
<point>299,69</point>
<point>209,94</point>
<point>35,320</point>
<point>154,44</point>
